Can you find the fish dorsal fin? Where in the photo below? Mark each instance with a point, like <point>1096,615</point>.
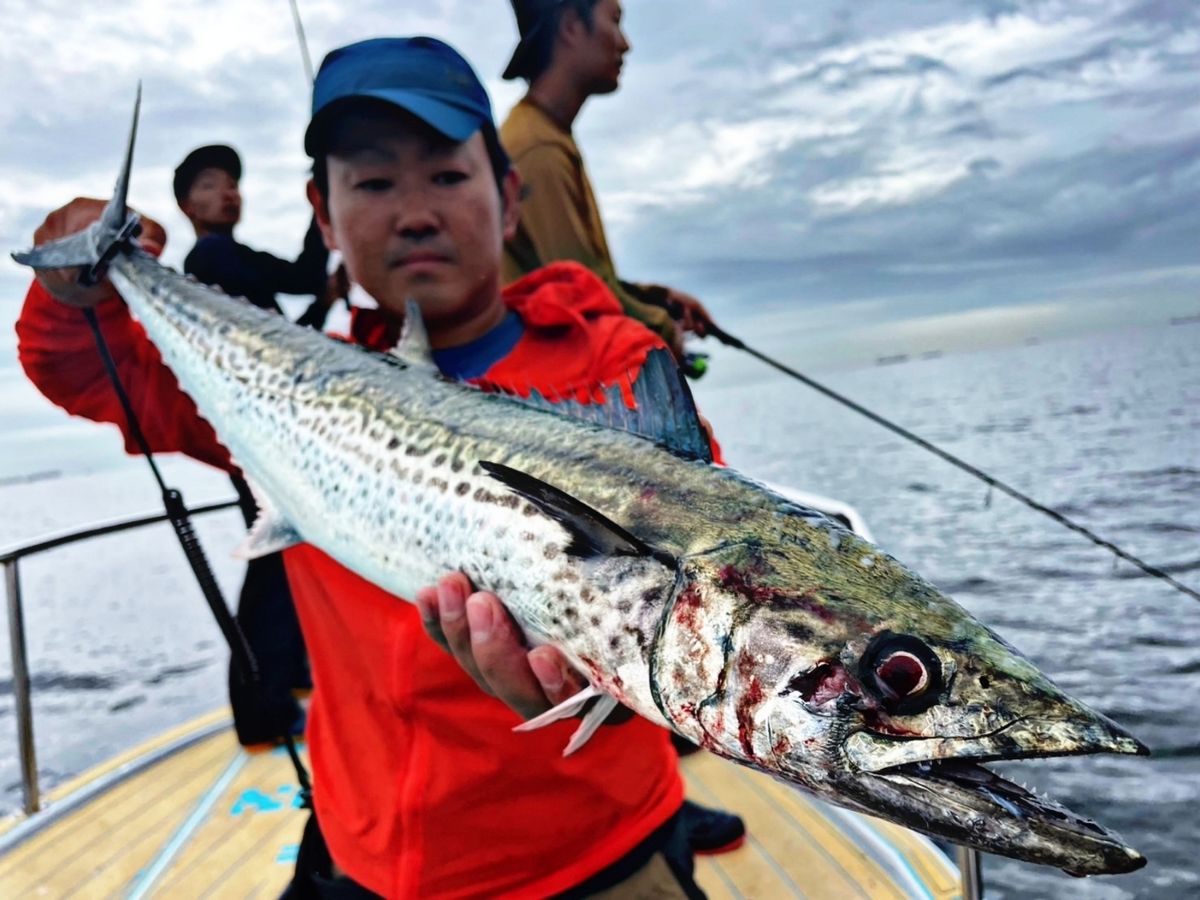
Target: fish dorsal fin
<point>414,347</point>
<point>592,533</point>
<point>665,411</point>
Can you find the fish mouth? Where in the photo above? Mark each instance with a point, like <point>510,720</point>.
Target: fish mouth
<point>952,794</point>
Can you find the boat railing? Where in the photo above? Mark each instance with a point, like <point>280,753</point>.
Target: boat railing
<point>10,559</point>
<point>969,860</point>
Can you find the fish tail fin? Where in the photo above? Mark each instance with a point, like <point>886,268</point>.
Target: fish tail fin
<point>92,248</point>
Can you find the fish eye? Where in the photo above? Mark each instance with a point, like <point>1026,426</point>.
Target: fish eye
<point>902,674</point>
<point>903,671</point>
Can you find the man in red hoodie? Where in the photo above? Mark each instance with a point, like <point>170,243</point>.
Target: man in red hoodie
<point>420,786</point>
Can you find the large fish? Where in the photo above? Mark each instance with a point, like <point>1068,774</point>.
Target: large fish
<point>707,603</point>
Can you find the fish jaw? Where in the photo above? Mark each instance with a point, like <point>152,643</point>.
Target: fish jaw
<point>968,804</point>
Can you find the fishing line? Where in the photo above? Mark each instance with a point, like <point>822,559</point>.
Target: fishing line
<point>177,513</point>
<point>726,338</point>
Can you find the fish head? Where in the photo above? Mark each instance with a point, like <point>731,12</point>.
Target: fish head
<point>840,670</point>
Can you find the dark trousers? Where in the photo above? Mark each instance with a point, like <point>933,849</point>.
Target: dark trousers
<point>660,866</point>
<point>268,619</point>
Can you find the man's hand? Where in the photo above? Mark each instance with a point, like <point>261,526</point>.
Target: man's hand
<point>690,312</point>
<point>478,631</point>
<point>675,343</point>
<point>77,215</point>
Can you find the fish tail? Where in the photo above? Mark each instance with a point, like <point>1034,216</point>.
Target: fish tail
<point>92,248</point>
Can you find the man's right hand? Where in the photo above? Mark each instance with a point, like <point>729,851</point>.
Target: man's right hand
<point>476,629</point>
<point>77,215</point>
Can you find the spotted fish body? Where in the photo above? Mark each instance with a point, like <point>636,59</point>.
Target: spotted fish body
<point>700,599</point>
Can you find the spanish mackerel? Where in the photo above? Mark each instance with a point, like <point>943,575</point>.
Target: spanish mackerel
<point>756,627</point>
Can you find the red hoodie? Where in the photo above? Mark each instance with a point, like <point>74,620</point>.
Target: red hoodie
<point>420,785</point>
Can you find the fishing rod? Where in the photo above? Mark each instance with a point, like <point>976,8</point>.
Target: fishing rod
<point>992,482</point>
<point>308,69</point>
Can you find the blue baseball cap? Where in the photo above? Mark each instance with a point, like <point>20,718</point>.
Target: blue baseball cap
<point>421,75</point>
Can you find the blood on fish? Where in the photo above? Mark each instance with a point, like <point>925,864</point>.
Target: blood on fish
<point>687,607</point>
<point>740,583</point>
<point>749,701</point>
<point>820,684</point>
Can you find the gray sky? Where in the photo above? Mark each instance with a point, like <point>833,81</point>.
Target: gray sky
<point>838,181</point>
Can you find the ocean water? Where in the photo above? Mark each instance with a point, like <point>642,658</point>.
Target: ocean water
<point>1105,428</point>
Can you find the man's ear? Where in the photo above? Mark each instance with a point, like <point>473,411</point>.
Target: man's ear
<point>510,193</point>
<point>570,27</point>
<point>321,213</point>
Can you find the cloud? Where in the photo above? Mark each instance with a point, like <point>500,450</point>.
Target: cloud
<point>927,158</point>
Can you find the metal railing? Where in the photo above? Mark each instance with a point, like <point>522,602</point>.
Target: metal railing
<point>10,559</point>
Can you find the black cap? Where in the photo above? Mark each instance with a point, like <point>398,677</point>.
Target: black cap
<point>214,156</point>
<point>532,17</point>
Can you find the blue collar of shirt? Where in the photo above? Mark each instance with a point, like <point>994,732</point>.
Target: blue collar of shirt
<point>474,359</point>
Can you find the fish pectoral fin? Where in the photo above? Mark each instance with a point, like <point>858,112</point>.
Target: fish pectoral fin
<point>270,533</point>
<point>592,533</point>
<point>564,710</point>
<point>267,536</point>
<point>591,721</point>
<point>594,719</point>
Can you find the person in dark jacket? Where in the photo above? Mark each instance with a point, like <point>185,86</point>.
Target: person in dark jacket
<point>207,191</point>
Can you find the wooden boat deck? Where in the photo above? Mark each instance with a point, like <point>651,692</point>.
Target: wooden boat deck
<point>209,820</point>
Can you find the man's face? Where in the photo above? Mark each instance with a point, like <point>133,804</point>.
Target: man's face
<point>417,216</point>
<point>598,54</point>
<point>213,200</point>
